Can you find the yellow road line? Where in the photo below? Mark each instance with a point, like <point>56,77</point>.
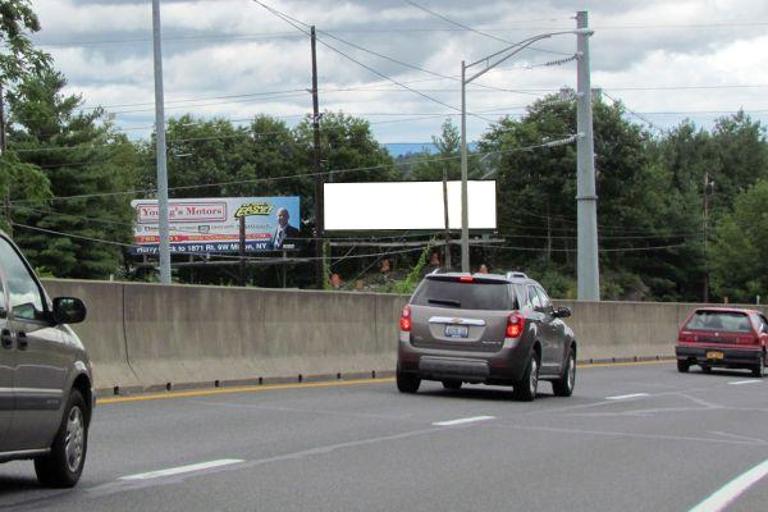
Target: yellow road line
<point>310,385</point>
<point>628,363</point>
<point>238,389</point>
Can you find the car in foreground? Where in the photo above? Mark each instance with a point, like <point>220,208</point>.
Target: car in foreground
<point>46,382</point>
<point>723,337</point>
<point>485,328</point>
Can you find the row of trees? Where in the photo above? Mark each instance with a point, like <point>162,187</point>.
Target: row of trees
<point>681,212</point>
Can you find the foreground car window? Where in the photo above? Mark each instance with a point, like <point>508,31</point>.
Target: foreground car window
<point>26,301</point>
<point>719,321</point>
<point>451,294</point>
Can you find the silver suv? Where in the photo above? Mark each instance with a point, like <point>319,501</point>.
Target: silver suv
<point>46,382</point>
<point>485,328</point>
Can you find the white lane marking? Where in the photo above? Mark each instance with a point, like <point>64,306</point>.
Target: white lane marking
<point>732,490</point>
<point>622,397</point>
<point>182,469</point>
<point>740,382</point>
<point>462,421</point>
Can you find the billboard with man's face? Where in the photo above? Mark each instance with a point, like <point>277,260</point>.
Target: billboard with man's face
<point>212,225</point>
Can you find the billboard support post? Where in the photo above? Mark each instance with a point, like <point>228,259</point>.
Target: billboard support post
<point>242,251</point>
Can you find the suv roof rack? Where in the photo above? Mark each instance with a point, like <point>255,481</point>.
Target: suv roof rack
<point>516,274</point>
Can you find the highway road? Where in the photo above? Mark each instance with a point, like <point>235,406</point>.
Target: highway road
<point>633,437</point>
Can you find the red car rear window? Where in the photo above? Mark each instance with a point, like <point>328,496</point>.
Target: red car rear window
<point>719,321</point>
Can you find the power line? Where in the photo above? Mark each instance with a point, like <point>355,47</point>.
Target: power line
<point>476,31</point>
<point>295,23</point>
<point>549,144</point>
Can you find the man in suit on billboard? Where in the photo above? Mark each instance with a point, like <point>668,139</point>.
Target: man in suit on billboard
<point>284,230</point>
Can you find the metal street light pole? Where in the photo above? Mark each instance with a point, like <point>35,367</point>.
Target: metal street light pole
<point>587,265</point>
<point>500,56</point>
<point>162,172</point>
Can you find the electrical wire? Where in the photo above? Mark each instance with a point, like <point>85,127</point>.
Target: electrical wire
<point>467,27</point>
<point>549,144</point>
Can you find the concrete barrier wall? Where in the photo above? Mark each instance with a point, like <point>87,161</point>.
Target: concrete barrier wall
<point>148,336</point>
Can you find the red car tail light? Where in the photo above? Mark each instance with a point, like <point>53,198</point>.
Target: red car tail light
<point>515,325</point>
<point>748,339</point>
<point>686,337</point>
<point>466,279</point>
<point>405,319</point>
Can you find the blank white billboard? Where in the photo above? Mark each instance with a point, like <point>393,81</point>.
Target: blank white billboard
<point>406,205</point>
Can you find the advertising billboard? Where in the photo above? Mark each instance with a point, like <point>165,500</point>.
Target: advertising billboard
<point>407,205</point>
<point>212,225</point>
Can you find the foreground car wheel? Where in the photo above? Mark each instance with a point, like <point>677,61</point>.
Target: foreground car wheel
<point>705,368</point>
<point>64,465</point>
<point>453,385</point>
<point>525,390</point>
<point>564,386</point>
<point>407,382</point>
<point>683,366</point>
<point>759,370</point>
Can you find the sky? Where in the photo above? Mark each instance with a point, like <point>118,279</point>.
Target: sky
<point>665,60</point>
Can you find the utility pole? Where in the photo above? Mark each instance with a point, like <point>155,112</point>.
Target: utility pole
<point>162,171</point>
<point>319,217</point>
<point>464,173</point>
<point>587,264</point>
<point>706,237</point>
<point>445,215</point>
<point>7,198</point>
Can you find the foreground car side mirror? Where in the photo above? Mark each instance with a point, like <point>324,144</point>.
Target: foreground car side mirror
<point>68,310</point>
<point>562,312</point>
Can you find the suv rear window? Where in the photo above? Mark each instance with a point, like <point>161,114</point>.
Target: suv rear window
<point>457,295</point>
<point>719,321</point>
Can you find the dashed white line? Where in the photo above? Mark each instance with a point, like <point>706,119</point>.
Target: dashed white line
<point>182,469</point>
<point>732,490</point>
<point>622,397</point>
<point>740,382</point>
<point>462,421</point>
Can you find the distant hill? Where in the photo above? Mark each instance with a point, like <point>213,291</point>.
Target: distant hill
<point>401,149</point>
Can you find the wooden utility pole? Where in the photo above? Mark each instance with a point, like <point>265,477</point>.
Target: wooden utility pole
<point>706,237</point>
<point>445,215</point>
<point>319,220</point>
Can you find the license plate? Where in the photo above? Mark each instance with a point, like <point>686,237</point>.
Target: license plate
<point>714,355</point>
<point>456,331</point>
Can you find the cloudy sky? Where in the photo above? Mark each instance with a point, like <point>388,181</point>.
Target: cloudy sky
<point>667,60</point>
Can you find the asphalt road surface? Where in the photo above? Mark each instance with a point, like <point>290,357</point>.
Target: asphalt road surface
<point>640,437</point>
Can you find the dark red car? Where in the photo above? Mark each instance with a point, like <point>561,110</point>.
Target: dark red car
<point>724,337</point>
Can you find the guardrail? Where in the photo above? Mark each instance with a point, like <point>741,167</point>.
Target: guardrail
<point>148,336</point>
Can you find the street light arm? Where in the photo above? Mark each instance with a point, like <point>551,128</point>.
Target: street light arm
<point>501,60</point>
<point>516,48</point>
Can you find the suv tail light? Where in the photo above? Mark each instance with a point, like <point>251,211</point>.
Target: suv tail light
<point>405,319</point>
<point>515,325</point>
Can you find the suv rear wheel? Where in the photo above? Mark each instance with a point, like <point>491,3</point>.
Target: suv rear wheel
<point>407,382</point>
<point>63,466</point>
<point>564,385</point>
<point>525,389</point>
<point>683,366</point>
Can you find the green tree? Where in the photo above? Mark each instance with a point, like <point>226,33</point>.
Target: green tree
<point>347,142</point>
<point>430,166</point>
<point>537,197</point>
<point>19,58</point>
<point>738,263</point>
<point>80,155</point>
